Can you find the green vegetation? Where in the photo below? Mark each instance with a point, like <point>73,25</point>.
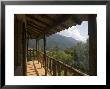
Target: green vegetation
<point>77,56</point>
<point>67,50</point>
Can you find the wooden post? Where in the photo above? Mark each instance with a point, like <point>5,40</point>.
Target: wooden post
<point>27,49</point>
<point>59,70</point>
<point>65,71</point>
<point>47,62</point>
<point>30,54</point>
<point>16,63</point>
<point>92,31</point>
<point>50,62</point>
<point>45,54</point>
<point>24,48</point>
<point>54,68</point>
<point>38,52</point>
<point>33,54</point>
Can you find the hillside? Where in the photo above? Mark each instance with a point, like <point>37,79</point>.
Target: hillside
<point>54,40</point>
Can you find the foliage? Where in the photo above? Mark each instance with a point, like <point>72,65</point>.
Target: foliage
<point>80,56</point>
<point>77,56</point>
<point>60,55</point>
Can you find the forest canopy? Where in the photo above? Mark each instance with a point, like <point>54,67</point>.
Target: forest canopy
<point>77,56</point>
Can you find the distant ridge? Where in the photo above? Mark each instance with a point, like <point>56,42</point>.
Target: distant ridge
<point>62,42</point>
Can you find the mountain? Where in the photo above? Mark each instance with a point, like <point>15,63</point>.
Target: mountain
<point>62,42</point>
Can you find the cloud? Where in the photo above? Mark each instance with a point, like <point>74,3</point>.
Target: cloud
<point>78,32</point>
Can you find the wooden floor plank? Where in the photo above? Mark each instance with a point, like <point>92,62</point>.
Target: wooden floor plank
<point>34,69</point>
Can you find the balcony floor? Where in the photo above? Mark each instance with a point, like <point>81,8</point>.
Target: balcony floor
<point>34,69</point>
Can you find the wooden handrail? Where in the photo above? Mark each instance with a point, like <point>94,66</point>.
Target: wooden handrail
<point>55,66</point>
<point>69,67</point>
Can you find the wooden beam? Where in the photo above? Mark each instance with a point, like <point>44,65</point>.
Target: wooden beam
<point>33,36</point>
<point>56,23</point>
<point>76,19</point>
<point>37,23</point>
<point>33,23</point>
<point>29,28</point>
<point>41,31</point>
<point>39,28</point>
<point>36,19</point>
<point>47,17</point>
<point>33,33</point>
<point>59,21</point>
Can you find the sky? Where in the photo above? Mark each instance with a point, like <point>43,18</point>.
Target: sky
<point>78,32</point>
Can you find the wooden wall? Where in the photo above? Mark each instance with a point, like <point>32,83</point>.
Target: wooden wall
<point>19,45</point>
<point>92,29</point>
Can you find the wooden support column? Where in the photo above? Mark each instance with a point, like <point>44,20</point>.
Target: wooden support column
<point>36,48</point>
<point>34,51</point>
<point>45,53</point>
<point>38,51</point>
<point>16,63</point>
<point>34,54</point>
<point>24,48</point>
<point>92,31</point>
<point>30,54</point>
<point>27,47</point>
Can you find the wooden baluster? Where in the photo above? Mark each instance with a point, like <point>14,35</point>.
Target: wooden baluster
<point>27,55</point>
<point>44,62</point>
<point>65,71</point>
<point>41,59</point>
<point>33,54</point>
<point>59,70</point>
<point>50,65</point>
<point>74,74</point>
<point>30,54</point>
<point>47,63</point>
<point>36,54</point>
<point>54,68</point>
<point>69,73</point>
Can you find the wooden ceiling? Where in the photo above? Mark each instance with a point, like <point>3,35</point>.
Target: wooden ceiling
<point>38,24</point>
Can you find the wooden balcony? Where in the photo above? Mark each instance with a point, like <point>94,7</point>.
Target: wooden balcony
<point>38,66</point>
<point>40,26</point>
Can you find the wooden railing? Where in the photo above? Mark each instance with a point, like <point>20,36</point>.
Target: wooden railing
<point>52,66</point>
